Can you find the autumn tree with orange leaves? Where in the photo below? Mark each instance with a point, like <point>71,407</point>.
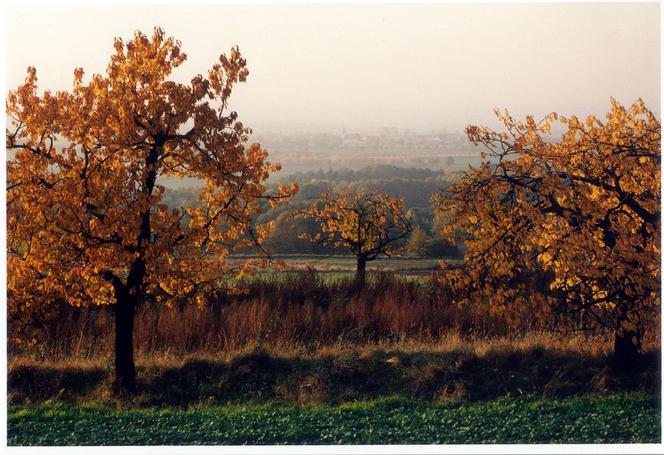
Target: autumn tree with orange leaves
<point>85,219</point>
<point>366,223</point>
<point>569,226</point>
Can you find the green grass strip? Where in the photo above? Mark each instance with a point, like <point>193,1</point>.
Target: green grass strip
<point>587,419</point>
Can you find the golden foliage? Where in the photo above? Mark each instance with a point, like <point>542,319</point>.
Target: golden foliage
<point>571,224</point>
<point>366,223</point>
<point>85,217</point>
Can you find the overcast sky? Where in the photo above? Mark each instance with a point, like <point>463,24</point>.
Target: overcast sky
<point>358,67</point>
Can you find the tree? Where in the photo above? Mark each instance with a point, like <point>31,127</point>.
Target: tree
<point>286,235</point>
<point>86,222</point>
<point>366,223</point>
<point>419,242</point>
<point>569,227</point>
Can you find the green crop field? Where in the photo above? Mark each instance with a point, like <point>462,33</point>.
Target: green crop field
<point>625,418</point>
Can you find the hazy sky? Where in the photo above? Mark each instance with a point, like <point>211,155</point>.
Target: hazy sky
<point>357,67</point>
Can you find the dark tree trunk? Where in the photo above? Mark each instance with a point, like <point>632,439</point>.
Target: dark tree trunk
<point>360,273</point>
<point>125,370</point>
<point>128,296</point>
<point>626,353</point>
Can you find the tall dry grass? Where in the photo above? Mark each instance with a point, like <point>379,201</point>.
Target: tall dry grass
<point>451,368</point>
<point>300,311</point>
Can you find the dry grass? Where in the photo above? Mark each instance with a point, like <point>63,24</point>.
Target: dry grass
<point>293,311</point>
<point>586,345</point>
<point>451,368</point>
<point>299,338</point>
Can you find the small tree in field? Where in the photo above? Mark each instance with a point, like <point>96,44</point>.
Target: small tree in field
<point>85,218</point>
<point>418,242</point>
<point>368,224</point>
<point>579,214</point>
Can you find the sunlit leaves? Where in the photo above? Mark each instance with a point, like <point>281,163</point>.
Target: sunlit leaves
<point>367,224</point>
<point>569,224</point>
<point>84,200</point>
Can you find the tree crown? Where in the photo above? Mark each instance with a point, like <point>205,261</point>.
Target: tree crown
<point>85,217</point>
<point>367,223</point>
<point>562,226</point>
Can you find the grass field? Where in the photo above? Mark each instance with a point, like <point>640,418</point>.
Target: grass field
<point>303,358</point>
<point>332,276</point>
<point>334,268</point>
<point>613,419</point>
<point>348,263</point>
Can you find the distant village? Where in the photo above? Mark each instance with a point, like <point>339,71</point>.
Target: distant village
<point>386,139</point>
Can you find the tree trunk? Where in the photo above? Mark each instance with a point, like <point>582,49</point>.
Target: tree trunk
<point>627,344</point>
<point>626,353</point>
<point>360,272</point>
<point>125,370</point>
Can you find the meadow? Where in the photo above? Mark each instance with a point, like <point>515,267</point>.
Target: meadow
<point>332,268</point>
<point>301,358</point>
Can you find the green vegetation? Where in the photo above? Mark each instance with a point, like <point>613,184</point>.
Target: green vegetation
<point>396,264</point>
<point>336,276</point>
<point>303,359</point>
<point>618,418</point>
<point>415,185</point>
<point>332,269</point>
<point>542,325</point>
